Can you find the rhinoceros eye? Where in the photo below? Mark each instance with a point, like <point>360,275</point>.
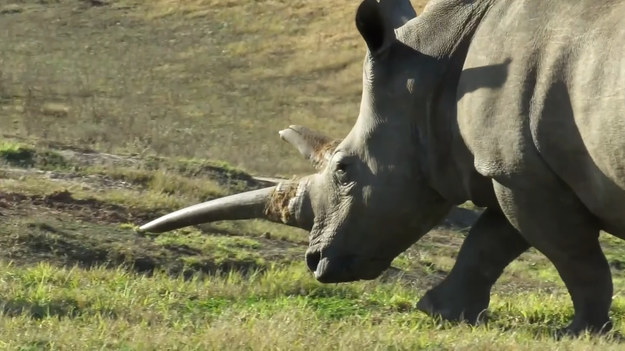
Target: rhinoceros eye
<point>341,167</point>
<point>340,172</point>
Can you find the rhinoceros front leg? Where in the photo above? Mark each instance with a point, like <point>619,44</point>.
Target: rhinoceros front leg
<point>552,219</point>
<point>492,243</point>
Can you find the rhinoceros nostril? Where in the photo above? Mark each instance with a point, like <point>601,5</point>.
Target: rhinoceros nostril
<point>312,260</point>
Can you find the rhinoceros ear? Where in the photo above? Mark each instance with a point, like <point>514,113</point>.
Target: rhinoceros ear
<point>377,20</point>
<point>397,12</point>
<point>372,25</point>
<point>316,147</point>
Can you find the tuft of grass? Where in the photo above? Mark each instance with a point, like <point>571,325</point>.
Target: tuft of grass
<point>20,155</point>
<point>16,154</point>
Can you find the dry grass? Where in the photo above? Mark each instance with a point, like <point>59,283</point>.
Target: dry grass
<point>196,78</point>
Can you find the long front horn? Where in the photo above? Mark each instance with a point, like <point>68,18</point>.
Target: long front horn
<point>286,203</point>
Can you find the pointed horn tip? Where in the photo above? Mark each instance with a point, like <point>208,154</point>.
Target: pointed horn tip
<point>144,229</point>
<point>284,133</point>
<point>151,227</point>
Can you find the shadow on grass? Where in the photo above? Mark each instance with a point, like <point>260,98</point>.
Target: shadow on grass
<point>39,310</point>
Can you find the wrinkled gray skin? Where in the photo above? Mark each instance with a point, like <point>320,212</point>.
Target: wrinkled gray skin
<point>518,106</point>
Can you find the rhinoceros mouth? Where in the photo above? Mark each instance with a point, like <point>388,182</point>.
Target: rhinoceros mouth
<point>346,268</point>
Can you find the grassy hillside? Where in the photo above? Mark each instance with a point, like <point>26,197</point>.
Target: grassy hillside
<point>196,78</point>
<point>113,112</point>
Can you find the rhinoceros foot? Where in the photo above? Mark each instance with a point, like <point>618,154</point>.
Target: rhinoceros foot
<point>455,305</point>
<point>578,327</point>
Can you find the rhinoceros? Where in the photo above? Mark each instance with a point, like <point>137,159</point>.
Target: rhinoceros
<point>517,106</point>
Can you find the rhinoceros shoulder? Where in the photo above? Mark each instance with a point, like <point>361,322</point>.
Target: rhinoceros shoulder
<point>542,92</point>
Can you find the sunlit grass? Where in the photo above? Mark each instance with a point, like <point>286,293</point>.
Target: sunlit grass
<point>281,308</point>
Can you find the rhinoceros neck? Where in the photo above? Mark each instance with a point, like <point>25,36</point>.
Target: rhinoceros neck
<point>444,32</point>
<point>445,28</point>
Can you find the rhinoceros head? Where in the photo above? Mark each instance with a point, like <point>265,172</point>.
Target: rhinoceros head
<point>369,200</point>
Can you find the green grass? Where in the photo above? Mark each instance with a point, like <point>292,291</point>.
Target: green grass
<point>281,308</point>
<point>20,155</point>
<point>16,154</point>
<point>234,250</point>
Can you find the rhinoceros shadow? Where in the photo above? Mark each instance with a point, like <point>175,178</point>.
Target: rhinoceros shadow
<point>491,76</point>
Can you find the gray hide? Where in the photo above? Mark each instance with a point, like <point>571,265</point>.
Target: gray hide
<point>518,106</point>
